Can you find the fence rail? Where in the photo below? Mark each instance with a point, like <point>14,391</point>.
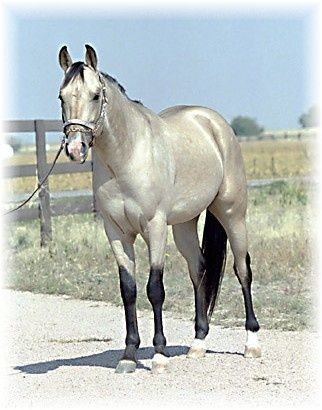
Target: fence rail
<point>16,171</point>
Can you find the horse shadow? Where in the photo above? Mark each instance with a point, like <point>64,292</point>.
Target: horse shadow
<point>107,359</point>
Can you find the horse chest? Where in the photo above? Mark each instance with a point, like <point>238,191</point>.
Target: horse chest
<point>125,211</point>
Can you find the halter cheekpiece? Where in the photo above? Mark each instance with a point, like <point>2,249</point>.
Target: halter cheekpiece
<point>93,127</point>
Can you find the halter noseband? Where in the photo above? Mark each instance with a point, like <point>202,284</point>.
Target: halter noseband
<point>93,127</point>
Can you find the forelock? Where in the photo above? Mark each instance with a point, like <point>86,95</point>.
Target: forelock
<point>76,70</point>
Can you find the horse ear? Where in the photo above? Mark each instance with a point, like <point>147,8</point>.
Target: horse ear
<point>91,57</point>
<point>65,60</point>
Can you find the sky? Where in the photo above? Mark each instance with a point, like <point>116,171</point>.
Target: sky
<point>252,64</point>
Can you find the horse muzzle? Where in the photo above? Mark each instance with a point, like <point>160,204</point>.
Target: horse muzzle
<point>76,151</point>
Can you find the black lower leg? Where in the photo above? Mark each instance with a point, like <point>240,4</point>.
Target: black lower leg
<point>251,321</point>
<point>156,295</point>
<point>201,320</point>
<point>128,293</point>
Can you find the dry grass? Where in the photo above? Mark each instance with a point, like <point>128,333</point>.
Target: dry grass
<point>279,158</point>
<point>263,159</point>
<point>79,262</point>
<point>65,182</point>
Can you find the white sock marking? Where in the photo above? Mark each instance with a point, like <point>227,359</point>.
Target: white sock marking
<point>199,344</point>
<point>159,358</point>
<point>252,340</point>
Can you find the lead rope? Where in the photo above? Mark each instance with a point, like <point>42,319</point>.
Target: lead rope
<point>62,144</point>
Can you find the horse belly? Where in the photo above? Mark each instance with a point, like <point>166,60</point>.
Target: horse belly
<point>188,207</point>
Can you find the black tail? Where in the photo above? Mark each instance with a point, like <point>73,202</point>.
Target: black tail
<point>214,245</point>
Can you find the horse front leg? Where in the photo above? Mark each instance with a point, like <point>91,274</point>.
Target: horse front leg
<point>122,246</point>
<point>157,238</point>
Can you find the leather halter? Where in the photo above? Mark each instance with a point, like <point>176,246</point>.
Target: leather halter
<point>93,127</point>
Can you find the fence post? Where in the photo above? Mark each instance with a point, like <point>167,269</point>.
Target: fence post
<point>44,196</point>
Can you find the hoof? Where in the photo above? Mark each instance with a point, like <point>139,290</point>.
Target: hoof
<point>195,353</point>
<point>252,346</point>
<point>252,352</point>
<point>159,363</point>
<point>125,366</point>
<point>197,349</point>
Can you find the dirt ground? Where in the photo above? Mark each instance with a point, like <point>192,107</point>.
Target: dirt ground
<point>63,352</point>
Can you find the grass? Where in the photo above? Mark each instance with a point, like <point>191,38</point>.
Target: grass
<point>63,182</point>
<point>79,263</point>
<point>263,159</point>
<point>279,158</point>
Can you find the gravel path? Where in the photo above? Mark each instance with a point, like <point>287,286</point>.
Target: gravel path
<point>63,352</point>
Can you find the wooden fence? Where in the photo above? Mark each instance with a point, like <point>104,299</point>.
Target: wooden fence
<point>45,209</point>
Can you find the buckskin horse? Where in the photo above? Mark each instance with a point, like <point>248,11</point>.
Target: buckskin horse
<point>156,170</point>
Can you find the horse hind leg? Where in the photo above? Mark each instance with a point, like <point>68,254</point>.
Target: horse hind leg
<point>252,346</point>
<point>187,241</point>
<point>232,218</point>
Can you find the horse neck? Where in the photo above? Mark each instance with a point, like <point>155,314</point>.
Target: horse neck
<point>120,133</point>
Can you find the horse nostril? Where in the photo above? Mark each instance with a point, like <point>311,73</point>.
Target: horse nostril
<point>83,148</point>
<point>66,149</point>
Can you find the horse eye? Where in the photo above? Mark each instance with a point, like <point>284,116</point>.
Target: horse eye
<point>96,97</point>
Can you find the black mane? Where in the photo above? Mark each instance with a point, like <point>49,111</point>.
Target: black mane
<point>77,69</point>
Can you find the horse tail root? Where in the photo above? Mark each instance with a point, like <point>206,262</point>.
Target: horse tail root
<point>214,245</point>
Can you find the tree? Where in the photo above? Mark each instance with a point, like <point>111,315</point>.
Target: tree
<point>246,126</point>
<point>14,142</point>
<point>310,118</point>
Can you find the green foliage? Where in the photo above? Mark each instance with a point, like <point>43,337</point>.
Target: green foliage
<point>245,126</point>
<point>284,194</point>
<point>310,118</point>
